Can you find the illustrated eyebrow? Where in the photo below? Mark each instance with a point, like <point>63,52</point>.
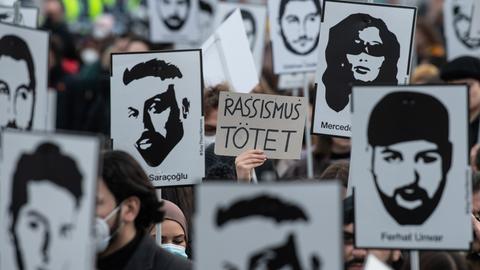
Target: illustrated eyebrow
<point>388,150</point>
<point>38,215</point>
<point>24,86</point>
<point>427,152</point>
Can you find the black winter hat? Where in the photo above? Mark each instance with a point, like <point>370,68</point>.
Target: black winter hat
<point>461,68</point>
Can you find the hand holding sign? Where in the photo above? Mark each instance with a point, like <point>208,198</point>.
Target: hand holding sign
<point>246,162</point>
<point>254,121</point>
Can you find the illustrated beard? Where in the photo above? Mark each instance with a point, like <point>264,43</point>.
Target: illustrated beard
<point>293,50</point>
<point>174,22</point>
<point>418,215</point>
<point>160,146</point>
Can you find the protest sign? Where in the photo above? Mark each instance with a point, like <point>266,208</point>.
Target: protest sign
<point>360,43</point>
<point>290,226</point>
<point>227,56</point>
<point>23,77</point>
<point>272,123</point>
<point>459,21</point>
<point>156,113</point>
<point>174,21</point>
<point>47,200</point>
<point>295,28</point>
<point>254,19</point>
<point>28,15</point>
<point>410,180</point>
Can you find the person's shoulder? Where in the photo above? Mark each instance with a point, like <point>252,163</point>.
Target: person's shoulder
<point>165,260</point>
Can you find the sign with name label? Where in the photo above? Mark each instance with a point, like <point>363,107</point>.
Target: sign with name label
<point>272,123</point>
<point>410,176</point>
<point>360,44</point>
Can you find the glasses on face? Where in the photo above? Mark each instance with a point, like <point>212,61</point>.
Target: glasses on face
<point>372,49</point>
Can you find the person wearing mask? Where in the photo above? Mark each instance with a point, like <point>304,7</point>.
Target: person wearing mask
<point>127,206</point>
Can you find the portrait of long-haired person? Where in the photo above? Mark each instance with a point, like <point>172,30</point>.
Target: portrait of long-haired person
<point>360,50</point>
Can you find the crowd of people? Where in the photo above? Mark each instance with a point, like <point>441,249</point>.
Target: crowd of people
<point>127,203</point>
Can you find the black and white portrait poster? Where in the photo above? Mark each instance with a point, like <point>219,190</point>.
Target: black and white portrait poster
<point>458,22</point>
<point>360,43</point>
<point>207,11</point>
<point>174,21</point>
<point>47,200</point>
<point>23,77</point>
<point>254,20</point>
<point>281,226</point>
<point>294,32</point>
<point>156,113</point>
<point>227,56</point>
<point>410,180</point>
<point>28,16</point>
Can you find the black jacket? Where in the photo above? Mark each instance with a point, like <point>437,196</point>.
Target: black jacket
<point>149,256</point>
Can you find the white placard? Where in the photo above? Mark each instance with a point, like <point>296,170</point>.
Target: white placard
<point>47,200</point>
<point>254,19</point>
<point>174,20</point>
<point>291,226</point>
<point>373,263</point>
<point>156,113</point>
<point>227,57</point>
<point>23,77</point>
<point>475,25</point>
<point>207,11</point>
<point>410,180</point>
<point>360,43</point>
<point>28,16</point>
<point>295,28</point>
<point>272,123</point>
<point>458,23</point>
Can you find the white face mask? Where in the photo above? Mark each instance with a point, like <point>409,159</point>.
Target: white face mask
<point>175,249</point>
<point>102,231</point>
<point>89,56</point>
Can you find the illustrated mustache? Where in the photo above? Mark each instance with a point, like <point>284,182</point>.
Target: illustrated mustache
<point>302,39</point>
<point>354,261</point>
<point>175,18</point>
<point>418,193</point>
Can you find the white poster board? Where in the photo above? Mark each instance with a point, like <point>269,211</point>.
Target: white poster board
<point>410,180</point>
<point>28,16</point>
<point>458,23</point>
<point>272,123</point>
<point>207,11</point>
<point>174,21</point>
<point>294,32</point>
<point>47,200</point>
<point>291,226</point>
<point>254,19</point>
<point>156,113</point>
<point>373,263</point>
<point>227,57</point>
<point>360,43</point>
<point>23,77</point>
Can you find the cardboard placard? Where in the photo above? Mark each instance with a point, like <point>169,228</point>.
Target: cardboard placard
<point>272,123</point>
<point>47,200</point>
<point>207,12</point>
<point>28,15</point>
<point>410,180</point>
<point>23,77</point>
<point>174,21</point>
<point>360,43</point>
<point>291,226</point>
<point>227,57</point>
<point>295,29</point>
<point>254,19</point>
<point>458,22</point>
<point>156,113</point>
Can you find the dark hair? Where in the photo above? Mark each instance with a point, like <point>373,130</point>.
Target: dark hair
<point>124,177</point>
<point>17,48</point>
<point>45,164</point>
<point>338,75</point>
<point>211,96</point>
<point>408,116</point>
<point>151,68</point>
<point>338,170</point>
<point>283,5</point>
